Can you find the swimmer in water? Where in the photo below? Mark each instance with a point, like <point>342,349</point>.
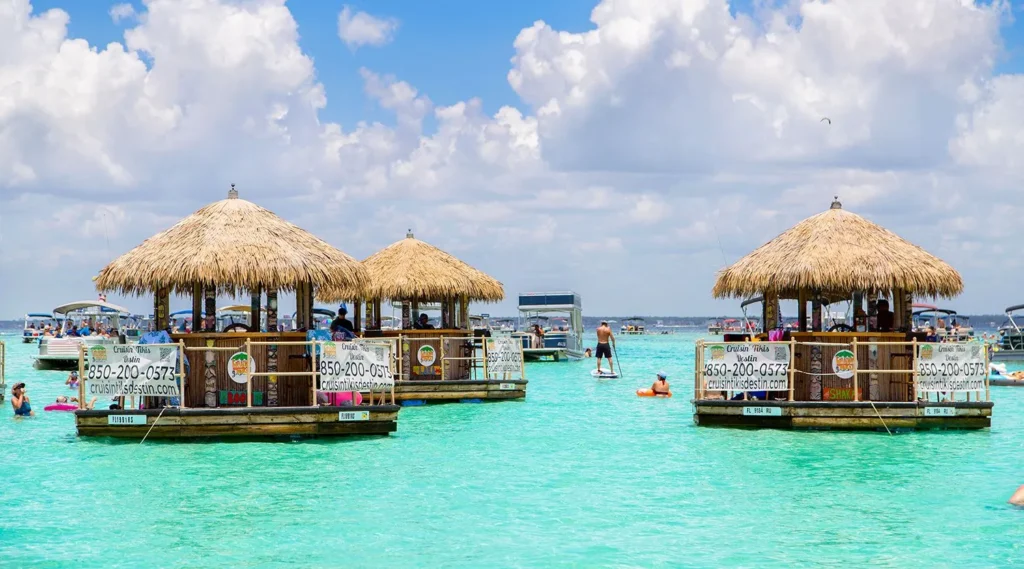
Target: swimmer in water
<point>72,381</point>
<point>20,401</point>
<point>1018,497</point>
<point>588,353</point>
<point>660,386</point>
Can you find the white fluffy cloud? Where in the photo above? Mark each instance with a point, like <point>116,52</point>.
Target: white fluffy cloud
<point>662,143</point>
<point>359,29</point>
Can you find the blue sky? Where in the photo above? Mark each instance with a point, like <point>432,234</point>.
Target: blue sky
<point>649,165</point>
<point>448,49</point>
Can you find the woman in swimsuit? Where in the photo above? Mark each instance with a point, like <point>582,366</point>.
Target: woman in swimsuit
<point>660,386</point>
<point>20,402</point>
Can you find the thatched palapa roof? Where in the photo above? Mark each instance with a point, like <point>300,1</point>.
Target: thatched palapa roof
<point>231,244</point>
<point>410,269</point>
<point>838,252</point>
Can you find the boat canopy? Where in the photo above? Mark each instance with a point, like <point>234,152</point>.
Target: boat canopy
<point>187,312</point>
<point>38,315</point>
<point>549,301</point>
<point>936,310</point>
<point>752,300</point>
<point>634,319</point>
<point>1014,308</point>
<point>86,304</point>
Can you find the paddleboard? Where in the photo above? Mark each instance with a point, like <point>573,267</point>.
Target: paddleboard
<point>605,374</point>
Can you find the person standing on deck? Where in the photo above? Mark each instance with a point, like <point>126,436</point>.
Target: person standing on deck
<point>341,322</point>
<point>604,335</point>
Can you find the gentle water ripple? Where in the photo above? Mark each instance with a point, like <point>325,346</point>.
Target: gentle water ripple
<point>582,474</point>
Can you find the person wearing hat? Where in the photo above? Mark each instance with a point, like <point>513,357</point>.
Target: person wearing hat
<point>20,401</point>
<point>342,323</point>
<point>660,386</point>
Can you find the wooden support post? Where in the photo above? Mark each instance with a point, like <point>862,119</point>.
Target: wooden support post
<point>161,305</point>
<point>255,309</point>
<point>210,300</point>
<point>248,375</point>
<point>357,316</point>
<point>770,312</point>
<point>817,323</point>
<point>802,310</point>
<point>310,319</point>
<point>376,314</point>
<point>271,310</point>
<point>913,367</point>
<point>987,373</point>
<point>444,353</point>
<point>316,347</point>
<point>856,371</point>
<point>908,310</point>
<point>181,370</point>
<point>197,308</point>
<point>81,376</point>
<point>483,344</point>
<point>792,369</point>
<point>465,311</point>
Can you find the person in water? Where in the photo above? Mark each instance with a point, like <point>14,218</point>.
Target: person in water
<point>660,386</point>
<point>588,353</point>
<point>604,350</point>
<point>72,380</point>
<point>20,401</point>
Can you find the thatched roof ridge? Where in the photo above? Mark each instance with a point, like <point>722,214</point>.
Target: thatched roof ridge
<point>410,269</point>
<point>838,252</point>
<point>235,245</point>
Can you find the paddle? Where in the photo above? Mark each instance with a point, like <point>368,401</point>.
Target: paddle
<point>619,362</point>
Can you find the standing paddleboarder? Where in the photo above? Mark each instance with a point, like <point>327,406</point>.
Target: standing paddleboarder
<point>604,334</point>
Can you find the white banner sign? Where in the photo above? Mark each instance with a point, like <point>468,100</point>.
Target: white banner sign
<point>355,366</point>
<point>504,355</point>
<point>746,366</point>
<point>951,367</point>
<point>133,369</point>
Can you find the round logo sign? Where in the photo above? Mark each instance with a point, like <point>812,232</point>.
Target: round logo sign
<point>240,366</point>
<point>844,364</point>
<point>426,355</point>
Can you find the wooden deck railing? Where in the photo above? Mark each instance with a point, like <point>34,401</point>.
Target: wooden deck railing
<point>855,370</point>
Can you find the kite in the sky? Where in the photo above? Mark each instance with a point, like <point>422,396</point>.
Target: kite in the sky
<point>826,119</point>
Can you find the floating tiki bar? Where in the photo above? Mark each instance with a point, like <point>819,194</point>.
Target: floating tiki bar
<point>451,362</point>
<point>873,374</point>
<point>245,381</point>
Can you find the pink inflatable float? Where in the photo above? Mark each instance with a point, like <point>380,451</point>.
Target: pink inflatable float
<point>60,407</point>
<point>345,398</point>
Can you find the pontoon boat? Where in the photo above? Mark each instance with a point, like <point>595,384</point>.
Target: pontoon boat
<point>634,326</point>
<point>561,342</point>
<point>62,351</point>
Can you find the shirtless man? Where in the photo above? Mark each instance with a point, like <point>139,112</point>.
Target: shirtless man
<point>604,333</point>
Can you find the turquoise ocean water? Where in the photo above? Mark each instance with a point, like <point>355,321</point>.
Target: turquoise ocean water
<point>581,474</point>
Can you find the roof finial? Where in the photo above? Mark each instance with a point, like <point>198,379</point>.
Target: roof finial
<point>836,204</point>
<point>408,233</point>
<point>232,193</point>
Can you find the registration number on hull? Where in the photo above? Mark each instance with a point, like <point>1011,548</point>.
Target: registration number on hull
<point>507,386</point>
<point>126,419</point>
<point>940,411</point>
<point>353,415</point>
<point>762,411</point>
